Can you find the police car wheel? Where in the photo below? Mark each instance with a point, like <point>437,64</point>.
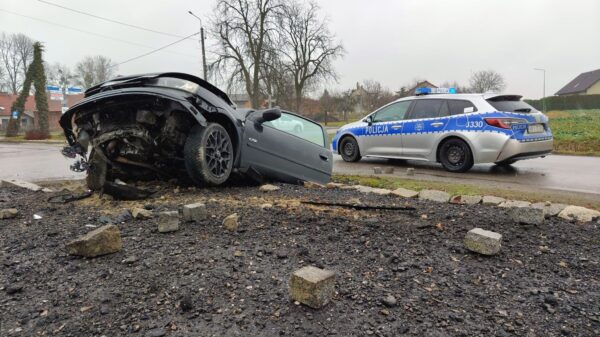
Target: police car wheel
<point>349,150</point>
<point>456,156</point>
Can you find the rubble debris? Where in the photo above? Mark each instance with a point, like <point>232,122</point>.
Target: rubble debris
<point>369,189</point>
<point>527,215</point>
<point>231,222</point>
<point>550,209</point>
<point>388,170</point>
<point>268,188</point>
<point>579,214</point>
<point>37,217</point>
<point>490,200</point>
<point>100,241</point>
<point>8,213</point>
<point>405,193</point>
<point>312,286</point>
<point>483,242</point>
<point>357,205</point>
<point>168,222</point>
<point>465,199</point>
<point>515,203</point>
<point>389,301</point>
<point>377,170</point>
<point>310,184</point>
<point>266,206</point>
<point>69,197</point>
<point>125,192</point>
<point>141,213</point>
<point>410,171</point>
<point>334,185</point>
<point>195,212</point>
<point>434,195</point>
<point>21,184</point>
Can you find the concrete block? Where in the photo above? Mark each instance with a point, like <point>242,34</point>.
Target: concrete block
<point>195,212</point>
<point>405,193</point>
<point>100,241</point>
<point>312,286</point>
<point>434,195</point>
<point>168,222</point>
<point>483,242</point>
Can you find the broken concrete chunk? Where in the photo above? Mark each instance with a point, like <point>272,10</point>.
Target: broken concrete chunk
<point>579,214</point>
<point>312,286</point>
<point>368,189</point>
<point>310,184</point>
<point>141,213</point>
<point>405,193</point>
<point>21,184</point>
<point>388,170</point>
<point>550,209</point>
<point>8,213</point>
<point>410,171</point>
<point>465,199</point>
<point>483,242</point>
<point>527,215</point>
<point>377,170</point>
<point>100,241</point>
<point>434,195</point>
<point>268,188</point>
<point>168,222</point>
<point>230,223</point>
<point>195,212</point>
<point>492,201</point>
<point>334,185</point>
<point>515,203</point>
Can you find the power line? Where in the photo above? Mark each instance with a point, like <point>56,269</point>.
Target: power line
<point>110,20</point>
<point>155,50</point>
<point>88,32</point>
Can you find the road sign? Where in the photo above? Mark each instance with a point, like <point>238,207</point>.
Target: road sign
<point>56,96</point>
<point>15,114</point>
<point>52,88</point>
<point>74,90</point>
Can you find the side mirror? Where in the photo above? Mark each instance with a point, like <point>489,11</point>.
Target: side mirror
<point>269,115</point>
<point>368,120</point>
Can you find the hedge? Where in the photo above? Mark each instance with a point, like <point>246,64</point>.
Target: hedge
<point>576,102</point>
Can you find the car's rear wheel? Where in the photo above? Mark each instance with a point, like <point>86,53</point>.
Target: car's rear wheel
<point>349,149</point>
<point>456,156</point>
<point>208,154</point>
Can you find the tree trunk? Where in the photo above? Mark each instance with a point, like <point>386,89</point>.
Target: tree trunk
<point>12,130</point>
<point>298,100</point>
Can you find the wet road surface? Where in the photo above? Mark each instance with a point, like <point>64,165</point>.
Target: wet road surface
<point>42,162</point>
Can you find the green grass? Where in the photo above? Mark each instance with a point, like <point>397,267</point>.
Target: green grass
<point>54,135</point>
<point>576,131</point>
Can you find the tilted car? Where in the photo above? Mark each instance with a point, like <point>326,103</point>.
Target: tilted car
<point>457,130</point>
<point>172,124</point>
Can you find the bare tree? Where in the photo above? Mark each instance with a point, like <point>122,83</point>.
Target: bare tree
<point>374,95</point>
<point>244,29</point>
<point>308,46</point>
<point>93,70</point>
<point>16,53</point>
<point>486,80</point>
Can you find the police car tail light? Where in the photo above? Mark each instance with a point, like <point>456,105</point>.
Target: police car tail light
<point>504,123</point>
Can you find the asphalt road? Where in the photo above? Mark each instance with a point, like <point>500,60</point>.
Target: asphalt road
<point>42,162</point>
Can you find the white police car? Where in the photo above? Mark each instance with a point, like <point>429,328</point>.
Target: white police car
<point>457,130</point>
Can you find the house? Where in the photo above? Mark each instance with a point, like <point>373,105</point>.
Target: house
<point>28,120</point>
<point>584,84</point>
<point>411,91</point>
<point>242,101</point>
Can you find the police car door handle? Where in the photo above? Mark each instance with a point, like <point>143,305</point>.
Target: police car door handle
<point>437,124</point>
<point>396,127</point>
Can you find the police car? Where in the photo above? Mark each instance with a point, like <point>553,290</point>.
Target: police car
<point>456,130</point>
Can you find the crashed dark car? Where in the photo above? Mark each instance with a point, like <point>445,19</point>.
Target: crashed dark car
<point>175,125</point>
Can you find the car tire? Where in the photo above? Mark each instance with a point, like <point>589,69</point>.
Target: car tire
<point>349,149</point>
<point>208,154</point>
<point>96,174</point>
<point>455,155</point>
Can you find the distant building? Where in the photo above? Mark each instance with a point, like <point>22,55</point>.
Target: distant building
<point>584,84</point>
<point>28,120</point>
<point>406,92</point>
<point>242,101</point>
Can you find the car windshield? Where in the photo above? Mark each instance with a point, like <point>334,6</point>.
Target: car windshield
<point>510,105</point>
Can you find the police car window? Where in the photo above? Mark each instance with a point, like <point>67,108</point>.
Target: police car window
<point>393,112</point>
<point>427,108</point>
<point>458,107</point>
<point>444,110</point>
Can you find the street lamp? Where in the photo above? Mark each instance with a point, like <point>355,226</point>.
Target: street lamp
<point>544,89</point>
<point>201,44</point>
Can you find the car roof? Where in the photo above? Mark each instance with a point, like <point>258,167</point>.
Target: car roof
<point>457,96</point>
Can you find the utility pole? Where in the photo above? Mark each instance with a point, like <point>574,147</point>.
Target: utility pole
<point>201,44</point>
<point>543,90</point>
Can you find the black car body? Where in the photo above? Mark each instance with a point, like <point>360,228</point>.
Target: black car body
<point>169,124</point>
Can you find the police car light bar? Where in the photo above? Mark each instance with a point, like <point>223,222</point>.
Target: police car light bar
<point>428,91</point>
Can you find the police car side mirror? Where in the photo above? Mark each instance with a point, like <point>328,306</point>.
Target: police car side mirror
<point>368,120</point>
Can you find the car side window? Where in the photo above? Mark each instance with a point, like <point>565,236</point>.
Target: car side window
<point>298,127</point>
<point>426,108</point>
<point>392,112</point>
<point>459,107</point>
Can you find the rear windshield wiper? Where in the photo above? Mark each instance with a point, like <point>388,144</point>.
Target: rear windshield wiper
<point>523,110</point>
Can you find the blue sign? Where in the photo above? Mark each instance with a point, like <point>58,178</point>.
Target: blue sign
<point>52,88</point>
<point>73,90</point>
<point>15,114</point>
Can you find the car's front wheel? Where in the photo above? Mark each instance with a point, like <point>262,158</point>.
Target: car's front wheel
<point>349,149</point>
<point>208,154</point>
<point>456,156</point>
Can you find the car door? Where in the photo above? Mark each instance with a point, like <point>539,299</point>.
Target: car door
<point>383,131</point>
<point>424,123</point>
<point>275,152</point>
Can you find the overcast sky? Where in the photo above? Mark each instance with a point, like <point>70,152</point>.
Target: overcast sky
<point>391,41</point>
